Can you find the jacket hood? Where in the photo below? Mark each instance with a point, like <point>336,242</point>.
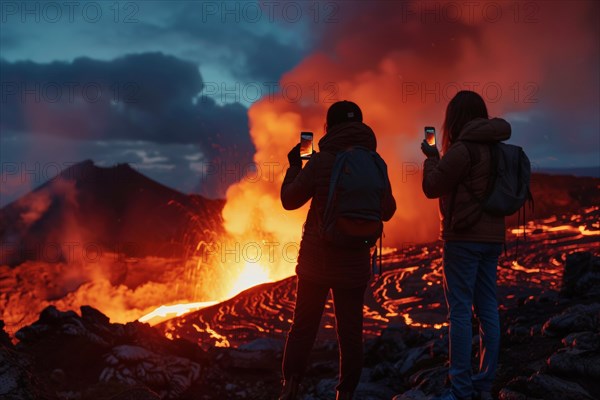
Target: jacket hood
<point>486,130</point>
<point>346,135</point>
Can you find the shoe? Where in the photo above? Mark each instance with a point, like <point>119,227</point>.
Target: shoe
<point>290,388</point>
<point>344,395</point>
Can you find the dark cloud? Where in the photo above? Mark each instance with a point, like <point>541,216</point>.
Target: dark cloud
<point>144,96</point>
<point>554,141</point>
<point>267,58</point>
<point>252,50</point>
<point>227,46</point>
<point>148,97</point>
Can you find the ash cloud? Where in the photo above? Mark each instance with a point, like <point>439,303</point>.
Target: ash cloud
<point>402,62</point>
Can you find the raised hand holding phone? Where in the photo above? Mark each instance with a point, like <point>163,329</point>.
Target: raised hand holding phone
<point>306,145</point>
<point>428,146</point>
<point>430,135</point>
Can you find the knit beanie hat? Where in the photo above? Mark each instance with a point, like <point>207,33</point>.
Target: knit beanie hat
<point>343,111</point>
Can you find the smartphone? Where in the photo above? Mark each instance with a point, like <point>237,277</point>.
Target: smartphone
<point>306,145</point>
<point>430,135</point>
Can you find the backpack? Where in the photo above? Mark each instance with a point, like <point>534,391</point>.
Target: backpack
<point>352,216</point>
<point>508,186</point>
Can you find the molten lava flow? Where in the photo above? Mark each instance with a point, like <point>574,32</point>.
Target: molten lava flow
<point>253,274</point>
<point>409,321</point>
<point>584,230</point>
<point>165,312</point>
<point>518,267</point>
<point>409,292</point>
<point>588,232</point>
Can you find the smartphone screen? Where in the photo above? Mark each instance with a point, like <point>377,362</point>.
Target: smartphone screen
<point>430,135</point>
<point>306,145</point>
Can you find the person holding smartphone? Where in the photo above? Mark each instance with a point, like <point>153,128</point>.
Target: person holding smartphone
<point>323,267</point>
<point>472,238</point>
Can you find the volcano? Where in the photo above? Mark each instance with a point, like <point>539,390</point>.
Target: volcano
<point>111,237</point>
<point>87,208</point>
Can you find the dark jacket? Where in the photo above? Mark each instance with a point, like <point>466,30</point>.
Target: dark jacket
<point>456,172</point>
<point>317,260</point>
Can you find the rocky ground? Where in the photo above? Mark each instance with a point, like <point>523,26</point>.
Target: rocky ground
<point>550,351</point>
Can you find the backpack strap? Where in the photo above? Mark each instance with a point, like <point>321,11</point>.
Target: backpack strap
<point>474,158</point>
<point>338,164</point>
<point>494,156</point>
<point>381,254</point>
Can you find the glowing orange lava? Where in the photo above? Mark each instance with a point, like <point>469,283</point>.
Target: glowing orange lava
<point>252,274</point>
<point>176,310</point>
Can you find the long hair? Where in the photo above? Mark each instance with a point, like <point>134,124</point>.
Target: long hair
<point>464,107</point>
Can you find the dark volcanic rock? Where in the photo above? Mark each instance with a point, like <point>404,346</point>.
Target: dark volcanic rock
<point>388,346</point>
<point>571,372</point>
<point>90,357</point>
<point>410,358</point>
<point>581,275</point>
<point>4,338</point>
<point>583,340</point>
<point>543,387</point>
<point>578,318</point>
<point>430,380</point>
<point>133,365</point>
<point>248,359</point>
<point>575,363</point>
<point>136,394</point>
<point>413,394</point>
<point>373,390</point>
<point>16,379</point>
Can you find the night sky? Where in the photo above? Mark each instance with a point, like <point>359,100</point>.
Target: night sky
<point>167,86</point>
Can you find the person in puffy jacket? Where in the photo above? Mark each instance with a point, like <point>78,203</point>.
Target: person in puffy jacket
<point>321,266</point>
<point>473,239</point>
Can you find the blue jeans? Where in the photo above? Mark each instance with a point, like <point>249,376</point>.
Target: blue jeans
<point>470,283</point>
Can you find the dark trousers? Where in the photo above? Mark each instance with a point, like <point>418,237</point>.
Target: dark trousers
<point>348,305</point>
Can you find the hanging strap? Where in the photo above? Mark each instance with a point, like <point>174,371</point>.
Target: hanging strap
<point>522,222</point>
<point>381,254</point>
<point>375,258</point>
<point>374,262</point>
<point>474,158</point>
<point>518,226</point>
